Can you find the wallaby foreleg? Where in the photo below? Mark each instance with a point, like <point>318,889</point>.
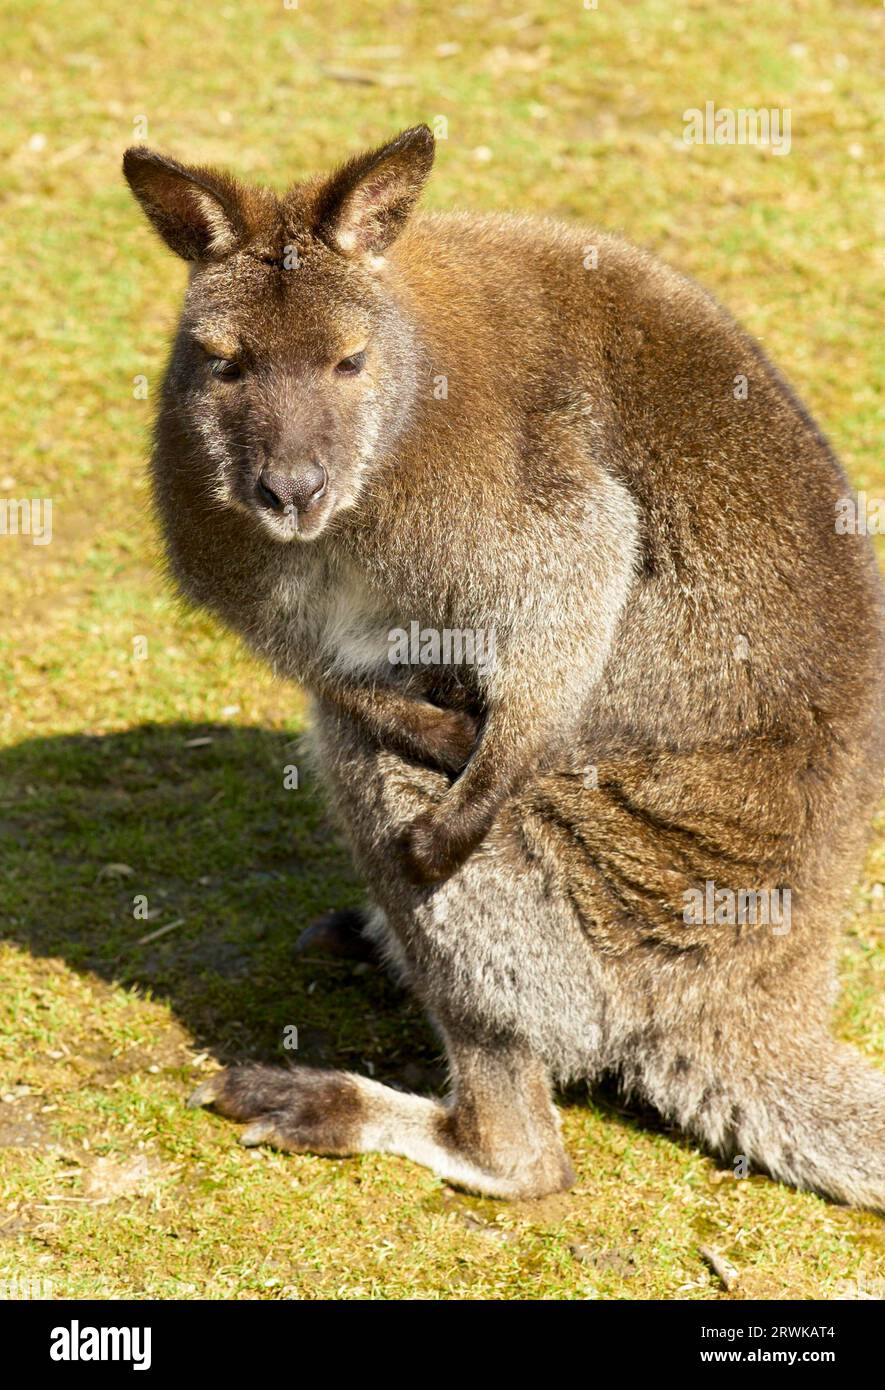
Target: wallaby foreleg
<point>404,723</point>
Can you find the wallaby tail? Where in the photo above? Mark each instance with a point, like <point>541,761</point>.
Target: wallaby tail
<point>814,1117</point>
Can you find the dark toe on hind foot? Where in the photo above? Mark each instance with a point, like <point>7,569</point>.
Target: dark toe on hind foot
<point>243,1093</point>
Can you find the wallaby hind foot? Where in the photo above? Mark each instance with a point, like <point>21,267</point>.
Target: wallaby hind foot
<point>338,933</point>
<point>497,1136</point>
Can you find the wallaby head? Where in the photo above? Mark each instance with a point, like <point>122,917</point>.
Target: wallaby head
<point>294,366</point>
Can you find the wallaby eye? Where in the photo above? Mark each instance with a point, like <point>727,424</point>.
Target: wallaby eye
<point>225,368</point>
<point>349,366</point>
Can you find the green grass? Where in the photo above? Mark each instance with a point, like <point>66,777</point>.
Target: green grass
<point>108,1185</point>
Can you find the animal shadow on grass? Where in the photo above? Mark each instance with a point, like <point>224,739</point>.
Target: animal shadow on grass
<point>107,840</point>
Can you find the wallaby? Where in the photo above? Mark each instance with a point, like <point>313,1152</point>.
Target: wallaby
<point>503,425</point>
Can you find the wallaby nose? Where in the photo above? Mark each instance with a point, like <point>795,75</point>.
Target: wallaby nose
<point>298,489</point>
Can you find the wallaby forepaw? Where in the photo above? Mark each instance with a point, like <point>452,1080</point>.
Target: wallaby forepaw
<point>456,737</point>
<point>428,855</point>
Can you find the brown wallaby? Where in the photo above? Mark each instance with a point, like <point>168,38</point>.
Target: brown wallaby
<point>375,423</point>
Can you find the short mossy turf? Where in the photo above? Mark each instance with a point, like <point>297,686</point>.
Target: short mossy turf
<point>143,757</point>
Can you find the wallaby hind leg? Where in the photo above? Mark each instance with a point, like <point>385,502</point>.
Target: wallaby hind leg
<point>498,1135</point>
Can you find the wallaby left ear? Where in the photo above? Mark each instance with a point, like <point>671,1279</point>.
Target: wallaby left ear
<point>364,206</point>
<point>198,212</point>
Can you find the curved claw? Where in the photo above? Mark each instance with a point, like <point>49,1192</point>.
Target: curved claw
<point>205,1093</point>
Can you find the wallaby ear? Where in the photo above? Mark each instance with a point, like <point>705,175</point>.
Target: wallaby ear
<point>196,211</point>
<point>364,205</point>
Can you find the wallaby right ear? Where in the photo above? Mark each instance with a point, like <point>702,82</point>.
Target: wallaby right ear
<point>198,212</point>
<point>364,206</point>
